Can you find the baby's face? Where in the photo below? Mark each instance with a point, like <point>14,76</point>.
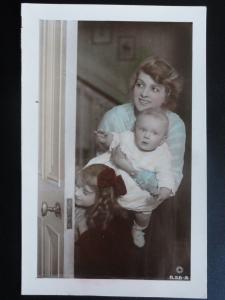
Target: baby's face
<point>150,132</point>
<point>85,196</point>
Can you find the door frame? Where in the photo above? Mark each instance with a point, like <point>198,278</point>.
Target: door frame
<point>70,133</point>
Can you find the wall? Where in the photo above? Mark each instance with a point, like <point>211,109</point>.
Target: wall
<point>100,61</point>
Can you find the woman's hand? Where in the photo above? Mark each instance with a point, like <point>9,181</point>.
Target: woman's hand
<point>147,181</point>
<point>121,161</point>
<point>164,193</point>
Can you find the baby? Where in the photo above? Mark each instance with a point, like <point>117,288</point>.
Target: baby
<point>146,149</point>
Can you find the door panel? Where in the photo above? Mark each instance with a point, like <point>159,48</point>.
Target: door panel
<point>51,231</point>
<point>52,252</point>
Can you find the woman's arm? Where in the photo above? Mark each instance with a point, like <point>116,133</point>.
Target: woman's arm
<point>145,179</point>
<point>122,162</point>
<point>112,121</point>
<point>109,123</point>
<point>176,142</point>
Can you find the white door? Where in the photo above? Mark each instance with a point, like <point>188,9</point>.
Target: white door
<point>56,149</point>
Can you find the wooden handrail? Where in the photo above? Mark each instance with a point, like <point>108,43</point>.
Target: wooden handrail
<point>99,91</point>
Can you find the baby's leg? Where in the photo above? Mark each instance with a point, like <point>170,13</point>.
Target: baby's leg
<point>142,219</point>
<point>141,222</point>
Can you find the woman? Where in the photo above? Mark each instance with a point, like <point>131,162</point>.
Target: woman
<point>154,84</point>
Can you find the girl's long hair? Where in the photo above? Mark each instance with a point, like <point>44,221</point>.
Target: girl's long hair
<point>105,207</point>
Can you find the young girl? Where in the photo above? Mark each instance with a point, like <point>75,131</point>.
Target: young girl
<point>95,198</point>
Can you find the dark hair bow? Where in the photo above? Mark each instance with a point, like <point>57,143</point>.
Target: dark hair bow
<point>108,178</point>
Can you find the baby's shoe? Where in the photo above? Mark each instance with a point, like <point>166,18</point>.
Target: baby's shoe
<point>138,235</point>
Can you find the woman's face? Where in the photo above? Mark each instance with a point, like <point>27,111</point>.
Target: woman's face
<point>147,93</point>
<point>85,196</point>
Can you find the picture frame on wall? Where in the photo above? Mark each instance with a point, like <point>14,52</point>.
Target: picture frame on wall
<point>126,48</point>
<point>102,34</point>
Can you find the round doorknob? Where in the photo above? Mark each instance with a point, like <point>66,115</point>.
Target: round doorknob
<point>45,209</point>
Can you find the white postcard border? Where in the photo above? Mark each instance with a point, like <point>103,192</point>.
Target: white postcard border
<point>197,286</point>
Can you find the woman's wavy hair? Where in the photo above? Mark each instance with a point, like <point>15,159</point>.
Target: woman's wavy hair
<point>105,207</point>
<point>163,73</point>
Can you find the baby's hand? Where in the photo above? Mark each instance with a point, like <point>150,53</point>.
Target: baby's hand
<point>100,136</point>
<point>103,138</point>
<point>164,193</point>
